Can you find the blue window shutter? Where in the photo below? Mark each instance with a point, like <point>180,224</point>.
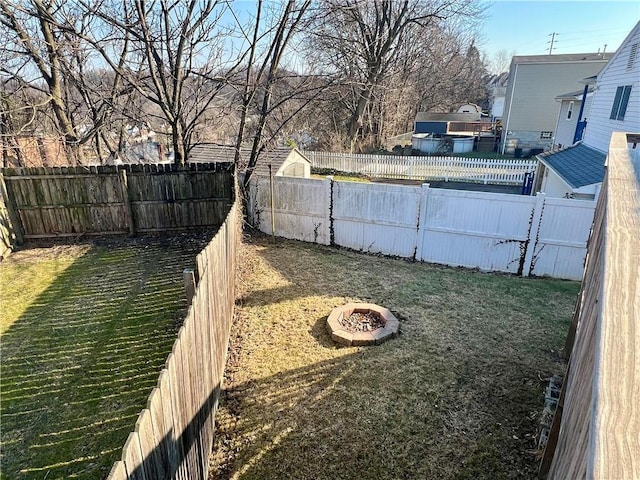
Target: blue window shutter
<point>616,104</point>
<point>624,102</point>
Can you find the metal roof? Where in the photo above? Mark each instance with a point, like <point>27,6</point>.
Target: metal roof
<point>578,166</point>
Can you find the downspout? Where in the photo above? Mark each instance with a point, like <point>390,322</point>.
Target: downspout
<point>584,100</point>
<point>555,132</point>
<point>505,130</point>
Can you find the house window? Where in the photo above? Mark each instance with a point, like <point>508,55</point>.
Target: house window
<point>620,103</point>
<point>570,110</point>
<point>546,135</point>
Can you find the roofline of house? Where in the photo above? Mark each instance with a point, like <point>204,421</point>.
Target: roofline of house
<point>541,158</point>
<point>619,50</point>
<point>593,57</point>
<point>564,180</point>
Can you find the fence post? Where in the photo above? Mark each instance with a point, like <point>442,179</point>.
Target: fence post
<point>422,219</point>
<point>273,208</point>
<point>486,171</point>
<point>14,219</point>
<point>536,219</point>
<point>328,213</point>
<point>189,284</point>
<point>124,184</point>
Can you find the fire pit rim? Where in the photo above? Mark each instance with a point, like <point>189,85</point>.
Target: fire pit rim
<point>373,337</point>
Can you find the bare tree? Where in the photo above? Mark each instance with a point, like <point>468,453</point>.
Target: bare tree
<point>367,42</point>
<point>268,40</point>
<point>500,61</point>
<point>35,50</point>
<point>179,59</point>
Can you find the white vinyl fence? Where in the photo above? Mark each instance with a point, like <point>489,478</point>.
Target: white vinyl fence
<point>507,171</point>
<point>491,231</point>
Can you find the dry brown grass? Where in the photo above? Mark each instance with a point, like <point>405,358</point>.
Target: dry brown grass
<point>456,396</point>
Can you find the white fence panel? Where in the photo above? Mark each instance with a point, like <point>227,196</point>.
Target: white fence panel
<point>490,231</point>
<point>476,230</point>
<point>376,218</point>
<point>481,170</point>
<point>300,206</point>
<point>561,246</point>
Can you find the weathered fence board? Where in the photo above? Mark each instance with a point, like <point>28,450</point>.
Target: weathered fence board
<point>308,224</point>
<point>508,171</point>
<point>8,235</point>
<point>475,229</point>
<point>174,434</point>
<point>598,434</point>
<point>58,202</point>
<point>376,218</point>
<point>491,231</point>
<point>561,241</point>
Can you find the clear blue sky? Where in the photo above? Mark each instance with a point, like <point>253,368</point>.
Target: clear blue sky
<point>582,26</point>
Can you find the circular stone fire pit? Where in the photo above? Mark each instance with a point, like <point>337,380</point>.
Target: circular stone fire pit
<point>340,317</point>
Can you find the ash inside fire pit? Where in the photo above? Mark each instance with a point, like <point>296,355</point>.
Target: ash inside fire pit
<point>361,322</point>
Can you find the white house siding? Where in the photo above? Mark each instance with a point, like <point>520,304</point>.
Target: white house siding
<point>616,74</point>
<point>530,105</point>
<point>566,128</point>
<point>497,109</point>
<point>553,185</point>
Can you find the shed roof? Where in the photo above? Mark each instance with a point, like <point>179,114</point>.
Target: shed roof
<point>578,166</point>
<point>209,152</point>
<point>446,117</point>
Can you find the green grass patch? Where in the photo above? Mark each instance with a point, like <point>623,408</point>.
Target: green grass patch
<point>86,331</point>
<point>457,395</point>
<point>339,176</point>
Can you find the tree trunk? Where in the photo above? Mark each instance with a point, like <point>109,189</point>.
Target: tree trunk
<point>179,151</point>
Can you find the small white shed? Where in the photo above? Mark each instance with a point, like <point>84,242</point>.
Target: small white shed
<point>284,161</point>
<point>575,172</point>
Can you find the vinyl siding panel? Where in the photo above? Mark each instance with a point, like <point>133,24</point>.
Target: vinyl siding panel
<point>600,126</point>
<point>567,128</point>
<point>533,104</point>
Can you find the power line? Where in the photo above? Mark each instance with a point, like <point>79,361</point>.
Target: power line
<point>553,39</point>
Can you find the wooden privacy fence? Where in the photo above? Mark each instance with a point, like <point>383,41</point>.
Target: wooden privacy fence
<point>595,432</point>
<point>509,233</point>
<point>100,200</point>
<point>508,171</point>
<point>174,434</point>
<point>7,236</point>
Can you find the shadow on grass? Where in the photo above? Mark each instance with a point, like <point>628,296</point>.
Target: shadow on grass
<point>80,362</point>
<point>456,396</point>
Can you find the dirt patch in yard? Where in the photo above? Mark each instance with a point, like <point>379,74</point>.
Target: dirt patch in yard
<point>457,396</point>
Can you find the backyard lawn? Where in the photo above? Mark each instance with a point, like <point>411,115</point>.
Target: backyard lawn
<point>458,395</point>
<point>85,332</point>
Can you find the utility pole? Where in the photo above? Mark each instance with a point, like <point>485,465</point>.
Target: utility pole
<point>553,40</point>
<point>604,50</point>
